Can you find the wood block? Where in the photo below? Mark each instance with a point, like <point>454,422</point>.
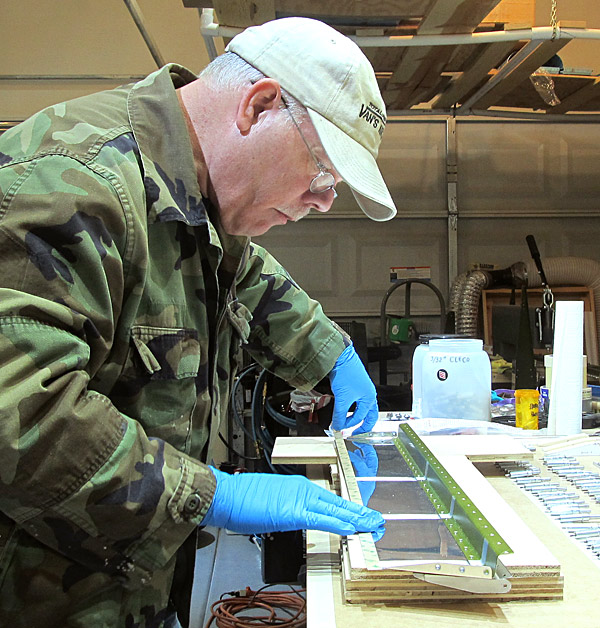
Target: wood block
<point>304,450</point>
<point>507,11</point>
<point>572,24</point>
<point>478,448</point>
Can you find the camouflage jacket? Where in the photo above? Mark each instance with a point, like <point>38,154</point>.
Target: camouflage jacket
<point>122,312</point>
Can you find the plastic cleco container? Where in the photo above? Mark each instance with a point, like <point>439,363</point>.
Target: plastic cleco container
<point>417,366</point>
<point>456,380</point>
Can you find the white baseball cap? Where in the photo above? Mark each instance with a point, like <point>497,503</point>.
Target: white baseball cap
<point>330,75</point>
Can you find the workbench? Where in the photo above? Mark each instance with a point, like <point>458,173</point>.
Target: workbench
<point>579,607</point>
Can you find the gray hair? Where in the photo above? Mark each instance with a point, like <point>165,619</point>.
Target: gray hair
<point>230,72</point>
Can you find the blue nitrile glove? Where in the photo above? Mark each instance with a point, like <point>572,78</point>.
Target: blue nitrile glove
<point>366,463</point>
<point>257,503</point>
<point>351,383</point>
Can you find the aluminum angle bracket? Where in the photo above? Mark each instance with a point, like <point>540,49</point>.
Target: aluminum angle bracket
<point>465,583</point>
<point>465,580</point>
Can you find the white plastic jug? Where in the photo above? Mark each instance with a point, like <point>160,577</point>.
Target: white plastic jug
<point>456,379</point>
<point>417,369</point>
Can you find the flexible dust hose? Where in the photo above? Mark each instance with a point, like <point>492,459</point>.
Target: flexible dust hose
<point>569,271</point>
<point>468,302</point>
<point>456,291</point>
<point>465,294</point>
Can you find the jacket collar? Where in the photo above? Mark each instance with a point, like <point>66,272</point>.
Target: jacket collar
<point>172,190</point>
<point>170,180</point>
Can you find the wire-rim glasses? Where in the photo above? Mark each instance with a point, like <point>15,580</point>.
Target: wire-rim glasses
<point>323,181</point>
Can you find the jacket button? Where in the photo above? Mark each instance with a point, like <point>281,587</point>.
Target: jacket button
<point>192,504</point>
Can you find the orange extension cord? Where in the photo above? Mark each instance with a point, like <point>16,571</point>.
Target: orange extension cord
<point>280,608</point>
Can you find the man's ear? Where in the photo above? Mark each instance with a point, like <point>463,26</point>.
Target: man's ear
<point>258,98</point>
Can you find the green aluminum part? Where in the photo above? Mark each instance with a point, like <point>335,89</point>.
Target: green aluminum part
<point>471,530</point>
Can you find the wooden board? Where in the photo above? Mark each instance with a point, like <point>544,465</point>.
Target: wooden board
<point>303,450</point>
<point>478,448</point>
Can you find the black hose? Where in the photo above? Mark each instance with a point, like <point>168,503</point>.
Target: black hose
<point>261,434</point>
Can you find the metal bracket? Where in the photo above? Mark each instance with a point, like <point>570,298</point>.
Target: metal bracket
<point>465,583</point>
<point>468,580</point>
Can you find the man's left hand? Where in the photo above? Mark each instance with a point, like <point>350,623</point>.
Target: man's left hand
<point>350,383</point>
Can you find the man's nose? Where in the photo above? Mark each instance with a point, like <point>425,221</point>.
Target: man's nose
<point>322,202</point>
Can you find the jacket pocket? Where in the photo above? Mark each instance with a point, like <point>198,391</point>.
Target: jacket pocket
<point>162,353</point>
<point>160,381</point>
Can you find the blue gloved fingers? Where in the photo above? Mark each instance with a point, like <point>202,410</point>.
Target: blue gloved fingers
<point>367,412</point>
<point>369,420</point>
<point>378,534</point>
<point>327,497</point>
<point>337,525</point>
<point>363,519</point>
<point>339,418</point>
<point>350,383</point>
<point>325,523</point>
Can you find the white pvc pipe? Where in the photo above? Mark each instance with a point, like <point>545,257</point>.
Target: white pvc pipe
<point>543,32</point>
<point>208,27</point>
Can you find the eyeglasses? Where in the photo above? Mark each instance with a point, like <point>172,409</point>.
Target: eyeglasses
<point>324,181</point>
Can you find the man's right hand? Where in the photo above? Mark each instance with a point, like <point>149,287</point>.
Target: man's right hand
<point>256,503</point>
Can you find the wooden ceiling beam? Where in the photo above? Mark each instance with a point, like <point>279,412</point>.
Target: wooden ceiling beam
<point>533,55</point>
<point>578,99</point>
<point>490,57</point>
<point>458,16</point>
<point>242,13</point>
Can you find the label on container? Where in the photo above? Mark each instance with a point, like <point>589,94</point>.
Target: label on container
<point>451,359</point>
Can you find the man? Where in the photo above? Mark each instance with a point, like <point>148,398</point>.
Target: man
<point>129,285</point>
